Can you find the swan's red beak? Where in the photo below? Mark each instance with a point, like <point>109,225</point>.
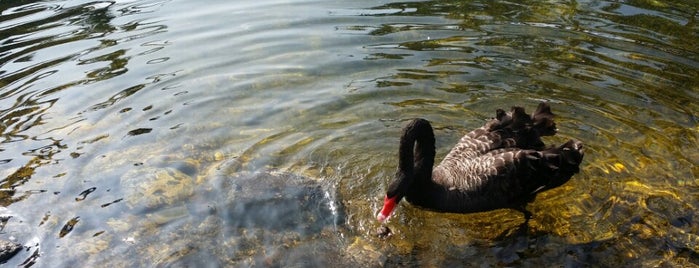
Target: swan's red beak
<point>388,205</point>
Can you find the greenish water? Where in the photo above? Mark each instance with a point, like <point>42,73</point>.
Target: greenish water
<point>263,133</point>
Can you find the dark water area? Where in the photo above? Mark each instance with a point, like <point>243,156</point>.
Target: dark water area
<point>264,133</point>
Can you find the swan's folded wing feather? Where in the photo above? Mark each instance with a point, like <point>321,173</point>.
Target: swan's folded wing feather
<point>508,177</point>
<point>514,129</point>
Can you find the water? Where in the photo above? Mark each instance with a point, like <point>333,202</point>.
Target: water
<point>213,133</point>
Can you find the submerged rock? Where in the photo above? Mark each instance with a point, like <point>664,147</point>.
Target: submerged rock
<point>280,219</point>
<point>17,234</point>
<point>153,187</point>
<point>383,232</point>
<point>224,217</point>
<point>280,202</point>
<point>8,249</point>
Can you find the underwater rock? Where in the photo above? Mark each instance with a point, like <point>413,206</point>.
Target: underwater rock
<point>280,202</point>
<point>266,218</point>
<point>229,218</point>
<point>8,249</point>
<point>153,187</point>
<point>17,234</point>
<point>364,253</point>
<point>383,232</point>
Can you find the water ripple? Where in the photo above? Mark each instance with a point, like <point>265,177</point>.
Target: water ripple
<point>258,132</point>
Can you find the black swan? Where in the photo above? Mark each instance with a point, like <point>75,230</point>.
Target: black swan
<point>503,164</point>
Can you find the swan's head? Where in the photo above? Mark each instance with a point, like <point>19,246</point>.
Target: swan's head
<point>389,204</point>
<point>395,192</point>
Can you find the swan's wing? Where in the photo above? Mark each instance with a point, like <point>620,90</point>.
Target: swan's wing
<point>514,129</point>
<point>510,176</point>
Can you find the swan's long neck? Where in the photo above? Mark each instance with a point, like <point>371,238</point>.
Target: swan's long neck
<point>415,161</point>
<point>416,154</point>
<point>423,151</point>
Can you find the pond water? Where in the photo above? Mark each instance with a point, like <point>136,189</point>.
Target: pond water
<point>264,133</point>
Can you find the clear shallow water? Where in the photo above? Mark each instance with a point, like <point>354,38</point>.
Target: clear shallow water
<point>264,133</point>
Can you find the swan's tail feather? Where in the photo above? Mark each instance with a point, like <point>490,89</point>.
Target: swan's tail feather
<point>513,129</point>
<point>515,120</point>
<point>518,129</point>
<point>542,120</point>
<point>563,162</point>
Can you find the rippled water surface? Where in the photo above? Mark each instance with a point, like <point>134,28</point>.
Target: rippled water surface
<point>239,133</point>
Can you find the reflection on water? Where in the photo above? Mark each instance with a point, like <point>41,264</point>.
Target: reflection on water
<point>264,133</point>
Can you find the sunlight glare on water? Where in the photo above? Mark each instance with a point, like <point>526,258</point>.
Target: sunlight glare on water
<point>264,133</point>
